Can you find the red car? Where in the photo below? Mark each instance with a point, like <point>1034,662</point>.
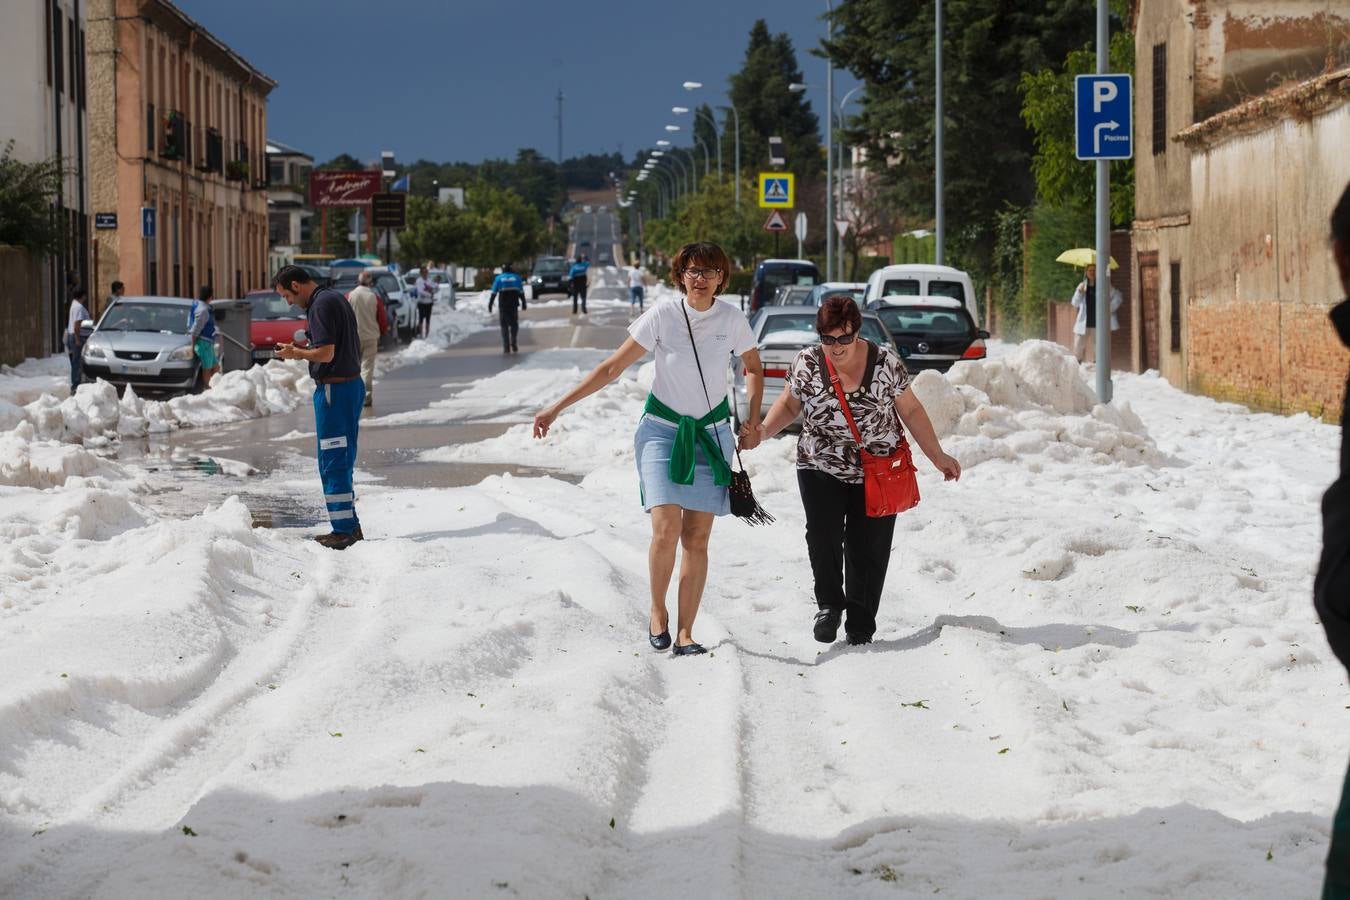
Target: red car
<point>274,322</point>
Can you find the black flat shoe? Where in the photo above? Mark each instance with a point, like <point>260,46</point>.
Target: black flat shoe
<point>660,641</point>
<point>857,640</point>
<point>689,650</point>
<point>827,625</point>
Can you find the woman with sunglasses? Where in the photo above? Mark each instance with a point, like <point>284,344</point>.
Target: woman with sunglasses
<point>849,550</point>
<point>684,440</point>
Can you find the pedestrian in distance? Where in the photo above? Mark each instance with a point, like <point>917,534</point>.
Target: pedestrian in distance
<point>576,276</point>
<point>115,293</point>
<point>334,357</point>
<point>426,296</point>
<point>202,328</point>
<point>1085,326</point>
<point>848,549</point>
<point>366,307</point>
<point>78,315</point>
<point>1331,587</point>
<point>636,289</point>
<point>508,292</point>
<point>684,441</point>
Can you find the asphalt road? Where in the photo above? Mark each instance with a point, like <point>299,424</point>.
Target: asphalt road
<point>193,467</point>
<point>596,234</point>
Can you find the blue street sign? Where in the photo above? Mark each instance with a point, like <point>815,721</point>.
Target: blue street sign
<point>1103,114</point>
<point>148,221</point>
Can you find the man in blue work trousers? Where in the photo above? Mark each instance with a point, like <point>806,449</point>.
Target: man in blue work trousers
<point>509,288</point>
<point>334,357</point>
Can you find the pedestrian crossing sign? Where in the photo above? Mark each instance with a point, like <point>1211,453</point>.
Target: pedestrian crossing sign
<point>776,189</point>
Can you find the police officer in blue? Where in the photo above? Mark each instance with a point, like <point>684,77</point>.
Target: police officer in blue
<point>334,357</point>
<point>508,290</point>
<point>577,275</point>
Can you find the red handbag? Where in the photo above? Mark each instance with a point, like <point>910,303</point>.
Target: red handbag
<point>889,482</point>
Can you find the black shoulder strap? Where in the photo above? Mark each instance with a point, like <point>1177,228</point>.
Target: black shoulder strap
<point>824,370</point>
<point>872,354</point>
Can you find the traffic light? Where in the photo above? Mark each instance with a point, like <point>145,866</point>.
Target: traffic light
<point>172,144</point>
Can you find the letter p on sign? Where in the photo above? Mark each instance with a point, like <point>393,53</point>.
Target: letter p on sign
<point>1103,92</point>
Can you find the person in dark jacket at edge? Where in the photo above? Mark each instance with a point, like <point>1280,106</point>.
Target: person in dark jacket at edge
<point>510,287</point>
<point>577,278</point>
<point>334,357</point>
<point>1331,588</point>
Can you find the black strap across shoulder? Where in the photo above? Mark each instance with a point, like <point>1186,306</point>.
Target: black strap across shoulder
<point>872,355</point>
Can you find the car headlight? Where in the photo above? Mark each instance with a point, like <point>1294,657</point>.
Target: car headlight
<point>93,352</point>
<point>182,353</point>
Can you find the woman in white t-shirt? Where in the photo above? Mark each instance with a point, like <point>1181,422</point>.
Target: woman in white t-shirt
<point>684,440</point>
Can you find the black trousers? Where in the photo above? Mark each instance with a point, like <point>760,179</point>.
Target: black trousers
<point>849,550</point>
<point>578,293</point>
<point>510,322</point>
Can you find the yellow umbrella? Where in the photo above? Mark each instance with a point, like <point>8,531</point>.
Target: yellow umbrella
<point>1082,256</point>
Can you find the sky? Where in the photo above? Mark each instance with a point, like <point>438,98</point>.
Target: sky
<point>456,81</point>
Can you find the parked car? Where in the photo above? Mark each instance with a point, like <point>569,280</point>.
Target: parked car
<point>932,332</point>
<point>921,280</point>
<point>346,281</point>
<point>144,342</point>
<point>772,274</point>
<point>274,321</point>
<point>782,332</point>
<point>854,289</point>
<point>791,295</point>
<point>404,313</point>
<point>441,278</point>
<point>549,276</point>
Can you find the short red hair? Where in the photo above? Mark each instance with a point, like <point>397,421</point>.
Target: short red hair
<point>838,311</point>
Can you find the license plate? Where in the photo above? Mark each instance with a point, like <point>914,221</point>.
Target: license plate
<point>137,370</point>
<point>264,354</point>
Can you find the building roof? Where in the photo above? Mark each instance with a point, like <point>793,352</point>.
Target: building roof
<point>277,148</point>
<point>1300,101</point>
<point>169,12</point>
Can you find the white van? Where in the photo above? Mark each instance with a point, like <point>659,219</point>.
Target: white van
<point>921,280</point>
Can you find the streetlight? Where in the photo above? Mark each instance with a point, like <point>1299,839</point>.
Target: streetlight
<point>695,85</point>
<point>681,110</point>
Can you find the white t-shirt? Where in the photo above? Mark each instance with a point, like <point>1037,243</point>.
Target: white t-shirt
<point>78,314</point>
<point>721,332</point>
<point>635,278</point>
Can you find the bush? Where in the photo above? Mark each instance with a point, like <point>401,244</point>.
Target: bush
<point>740,282</point>
<point>482,279</point>
<point>1054,230</point>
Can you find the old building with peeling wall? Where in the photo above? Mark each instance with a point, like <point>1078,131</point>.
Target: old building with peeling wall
<point>1242,122</point>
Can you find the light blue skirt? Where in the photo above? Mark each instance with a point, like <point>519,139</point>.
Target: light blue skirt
<point>652,446</point>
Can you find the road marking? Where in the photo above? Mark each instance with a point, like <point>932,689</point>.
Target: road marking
<point>576,335</point>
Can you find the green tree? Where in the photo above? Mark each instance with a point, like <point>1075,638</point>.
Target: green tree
<point>504,227</point>
<point>435,231</point>
<point>767,107</point>
<point>988,44</point>
<point>27,191</point>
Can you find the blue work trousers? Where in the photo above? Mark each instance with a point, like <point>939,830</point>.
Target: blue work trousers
<point>337,415</point>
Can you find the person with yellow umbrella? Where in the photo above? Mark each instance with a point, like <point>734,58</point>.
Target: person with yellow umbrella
<point>1085,301</point>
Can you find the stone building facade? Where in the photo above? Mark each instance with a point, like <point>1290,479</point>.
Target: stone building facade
<point>178,125</point>
<point>1242,137</point>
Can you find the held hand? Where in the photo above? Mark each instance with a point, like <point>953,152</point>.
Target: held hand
<point>542,420</point>
<point>948,466</point>
<point>287,351</point>
<point>751,435</point>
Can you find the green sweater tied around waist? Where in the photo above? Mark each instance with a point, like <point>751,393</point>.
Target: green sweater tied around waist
<point>691,432</point>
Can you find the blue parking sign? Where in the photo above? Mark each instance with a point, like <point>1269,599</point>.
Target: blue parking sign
<point>1103,114</point>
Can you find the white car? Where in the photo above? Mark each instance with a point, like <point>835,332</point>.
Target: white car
<point>405,313</point>
<point>921,280</point>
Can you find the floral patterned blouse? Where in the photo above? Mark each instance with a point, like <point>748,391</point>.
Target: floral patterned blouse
<point>826,442</point>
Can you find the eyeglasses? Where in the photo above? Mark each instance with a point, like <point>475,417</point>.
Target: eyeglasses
<point>843,340</point>
<point>697,273</point>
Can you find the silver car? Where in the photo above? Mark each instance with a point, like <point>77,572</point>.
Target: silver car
<point>782,332</point>
<point>144,342</point>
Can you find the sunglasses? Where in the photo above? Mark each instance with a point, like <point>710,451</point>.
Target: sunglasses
<point>697,273</point>
<point>843,340</point>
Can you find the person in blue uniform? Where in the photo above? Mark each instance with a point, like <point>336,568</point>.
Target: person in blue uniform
<point>334,357</point>
<point>577,275</point>
<point>508,291</point>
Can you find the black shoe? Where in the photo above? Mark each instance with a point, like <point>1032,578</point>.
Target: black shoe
<point>857,640</point>
<point>340,540</point>
<point>689,650</point>
<point>660,641</point>
<point>827,625</point>
<point>515,349</point>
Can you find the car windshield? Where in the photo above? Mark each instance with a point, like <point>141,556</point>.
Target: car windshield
<point>954,289</point>
<point>345,283</point>
<point>904,287</point>
<point>550,268</point>
<point>927,320</point>
<point>273,306</point>
<point>799,330</point>
<point>156,317</point>
<point>818,295</point>
<point>775,277</point>
<point>388,281</point>
<point>873,331</point>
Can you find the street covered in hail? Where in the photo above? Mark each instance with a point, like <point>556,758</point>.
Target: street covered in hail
<point>1097,671</point>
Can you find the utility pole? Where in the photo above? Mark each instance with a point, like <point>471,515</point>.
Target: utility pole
<point>939,250</point>
<point>559,117</point>
<point>829,150</point>
<point>1103,298</point>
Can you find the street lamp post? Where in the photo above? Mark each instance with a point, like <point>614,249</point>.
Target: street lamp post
<point>681,110</point>
<point>829,150</point>
<point>839,156</point>
<point>695,85</point>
